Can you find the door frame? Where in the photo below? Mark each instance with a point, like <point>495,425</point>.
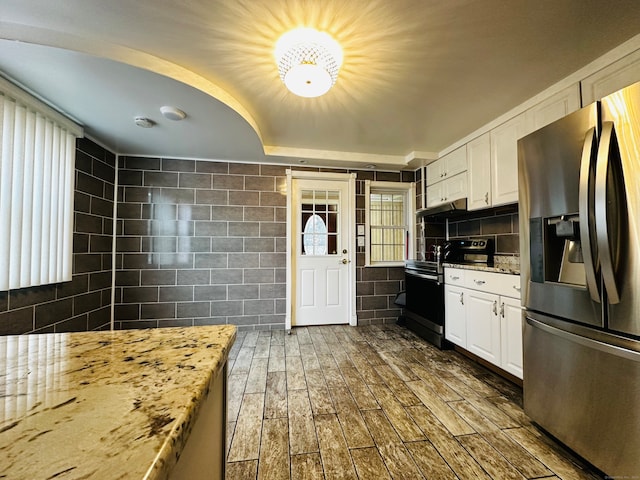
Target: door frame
<point>350,179</point>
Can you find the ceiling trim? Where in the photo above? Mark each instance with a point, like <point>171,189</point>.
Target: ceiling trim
<point>353,157</point>
<point>419,159</point>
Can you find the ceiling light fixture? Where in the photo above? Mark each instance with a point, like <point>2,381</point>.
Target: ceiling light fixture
<point>308,61</point>
<point>172,113</point>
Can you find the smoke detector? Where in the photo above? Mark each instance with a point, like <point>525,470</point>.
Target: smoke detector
<point>172,113</point>
<point>144,122</point>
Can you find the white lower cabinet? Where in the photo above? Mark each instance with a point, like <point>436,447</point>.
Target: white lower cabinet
<point>455,319</point>
<point>511,329</point>
<point>483,325</point>
<point>482,315</point>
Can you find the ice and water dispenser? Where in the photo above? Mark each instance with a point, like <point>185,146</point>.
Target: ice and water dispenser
<point>556,250</point>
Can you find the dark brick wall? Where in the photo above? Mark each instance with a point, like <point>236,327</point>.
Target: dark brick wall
<point>200,242</point>
<point>85,302</point>
<point>204,242</point>
<point>376,287</point>
<point>500,223</point>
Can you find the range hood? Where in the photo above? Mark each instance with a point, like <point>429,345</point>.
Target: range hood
<point>448,209</point>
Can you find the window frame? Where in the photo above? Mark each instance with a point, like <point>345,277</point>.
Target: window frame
<point>408,190</point>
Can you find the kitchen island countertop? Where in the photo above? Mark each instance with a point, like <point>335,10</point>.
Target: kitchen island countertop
<point>113,404</point>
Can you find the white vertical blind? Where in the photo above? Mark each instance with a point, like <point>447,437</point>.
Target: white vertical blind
<point>37,166</point>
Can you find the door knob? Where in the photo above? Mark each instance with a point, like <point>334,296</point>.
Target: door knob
<point>345,261</point>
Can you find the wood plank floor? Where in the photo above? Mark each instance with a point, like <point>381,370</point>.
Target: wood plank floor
<point>340,402</point>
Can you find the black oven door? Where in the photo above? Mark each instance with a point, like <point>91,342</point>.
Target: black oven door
<point>424,310</point>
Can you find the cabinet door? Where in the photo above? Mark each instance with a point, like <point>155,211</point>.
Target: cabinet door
<point>612,78</point>
<point>483,325</point>
<point>455,323</point>
<point>455,187</point>
<point>435,194</point>
<point>479,173</point>
<point>435,171</point>
<point>504,160</point>
<point>455,162</point>
<point>511,331</point>
<point>553,108</point>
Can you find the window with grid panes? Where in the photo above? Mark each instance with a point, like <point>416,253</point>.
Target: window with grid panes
<point>390,220</point>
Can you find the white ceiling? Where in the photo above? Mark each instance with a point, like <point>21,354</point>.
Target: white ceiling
<point>417,76</point>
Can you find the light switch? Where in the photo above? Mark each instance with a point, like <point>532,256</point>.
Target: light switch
<point>361,241</point>
<point>360,231</point>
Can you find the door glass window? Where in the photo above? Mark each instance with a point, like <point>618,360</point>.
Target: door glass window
<point>319,218</point>
<point>315,236</point>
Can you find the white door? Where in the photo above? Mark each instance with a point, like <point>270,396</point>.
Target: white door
<point>321,251</point>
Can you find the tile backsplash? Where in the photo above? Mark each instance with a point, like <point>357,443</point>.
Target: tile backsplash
<point>500,224</point>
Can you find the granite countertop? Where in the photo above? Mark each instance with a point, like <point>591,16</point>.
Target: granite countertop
<point>110,405</point>
<point>502,264</point>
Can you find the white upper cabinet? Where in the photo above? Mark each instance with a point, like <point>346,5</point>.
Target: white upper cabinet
<point>451,164</point>
<point>448,190</point>
<point>479,161</point>
<point>492,158</point>
<point>553,108</point>
<point>612,78</point>
<point>504,161</point>
<point>493,165</point>
<point>447,178</point>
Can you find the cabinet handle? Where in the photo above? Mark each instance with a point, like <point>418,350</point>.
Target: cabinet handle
<point>455,277</point>
<point>444,174</point>
<point>502,310</point>
<point>495,307</point>
<point>516,288</point>
<point>486,198</point>
<point>462,298</point>
<point>479,282</point>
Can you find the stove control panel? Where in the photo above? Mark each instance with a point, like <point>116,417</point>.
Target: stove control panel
<point>474,250</point>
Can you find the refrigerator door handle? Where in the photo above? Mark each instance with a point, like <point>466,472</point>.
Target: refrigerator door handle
<point>586,212</point>
<point>590,342</point>
<point>602,213</point>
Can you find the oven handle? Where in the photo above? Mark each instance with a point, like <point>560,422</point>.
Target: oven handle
<point>422,275</point>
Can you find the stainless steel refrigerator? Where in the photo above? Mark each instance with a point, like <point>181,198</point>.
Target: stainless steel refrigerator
<point>579,181</point>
